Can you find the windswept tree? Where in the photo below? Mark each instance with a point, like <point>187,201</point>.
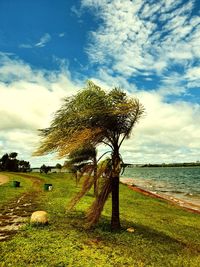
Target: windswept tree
<point>97,117</point>
<point>83,159</point>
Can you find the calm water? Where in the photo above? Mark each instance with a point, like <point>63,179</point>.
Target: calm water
<point>180,182</point>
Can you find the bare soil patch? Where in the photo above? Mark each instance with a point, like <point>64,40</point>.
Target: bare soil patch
<point>3,179</point>
<point>17,212</point>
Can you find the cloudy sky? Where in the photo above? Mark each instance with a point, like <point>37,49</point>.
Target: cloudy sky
<point>150,48</point>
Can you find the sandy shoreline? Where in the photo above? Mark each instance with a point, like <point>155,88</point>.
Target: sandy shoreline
<point>173,200</point>
<point>3,179</point>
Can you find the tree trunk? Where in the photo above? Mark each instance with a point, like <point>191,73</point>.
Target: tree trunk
<point>115,220</point>
<point>95,177</point>
<point>76,176</point>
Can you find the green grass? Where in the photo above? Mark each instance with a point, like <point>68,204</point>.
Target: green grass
<point>8,192</point>
<point>165,235</point>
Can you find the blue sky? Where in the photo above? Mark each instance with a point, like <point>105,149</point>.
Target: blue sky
<point>38,31</point>
<point>48,49</point>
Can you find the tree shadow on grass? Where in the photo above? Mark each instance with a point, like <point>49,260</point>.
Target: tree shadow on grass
<point>144,233</point>
<point>141,232</point>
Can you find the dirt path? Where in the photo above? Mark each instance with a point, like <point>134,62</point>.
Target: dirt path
<point>3,179</point>
<point>16,213</point>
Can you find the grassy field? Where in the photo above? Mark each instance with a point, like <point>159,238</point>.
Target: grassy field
<point>164,235</point>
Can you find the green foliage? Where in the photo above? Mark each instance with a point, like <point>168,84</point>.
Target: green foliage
<point>91,116</point>
<point>83,160</point>
<point>9,162</point>
<point>13,155</point>
<point>82,154</point>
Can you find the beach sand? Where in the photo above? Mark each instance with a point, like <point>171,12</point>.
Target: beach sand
<point>173,200</point>
<point>3,179</point>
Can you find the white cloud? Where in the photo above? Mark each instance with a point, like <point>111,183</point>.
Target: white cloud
<point>62,34</point>
<point>28,100</point>
<point>76,11</point>
<point>142,37</point>
<point>193,77</point>
<point>106,79</point>
<point>25,46</point>
<point>43,40</point>
<point>193,73</point>
<point>168,133</point>
<point>137,37</point>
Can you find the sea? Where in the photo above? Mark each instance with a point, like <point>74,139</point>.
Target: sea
<point>179,182</point>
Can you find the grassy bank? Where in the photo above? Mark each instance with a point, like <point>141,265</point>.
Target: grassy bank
<point>164,235</point>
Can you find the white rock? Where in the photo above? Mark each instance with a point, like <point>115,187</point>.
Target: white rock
<point>39,217</point>
<point>130,230</point>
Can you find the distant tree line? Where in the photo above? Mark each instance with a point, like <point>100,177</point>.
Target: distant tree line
<point>9,162</point>
<point>45,169</point>
<point>186,164</point>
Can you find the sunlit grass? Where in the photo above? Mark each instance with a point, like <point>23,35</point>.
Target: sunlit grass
<point>164,235</point>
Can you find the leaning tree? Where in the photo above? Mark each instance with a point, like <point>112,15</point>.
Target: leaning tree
<point>94,116</point>
<point>84,159</point>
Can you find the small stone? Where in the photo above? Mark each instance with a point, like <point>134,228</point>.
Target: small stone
<point>50,187</point>
<point>130,230</point>
<point>39,217</point>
